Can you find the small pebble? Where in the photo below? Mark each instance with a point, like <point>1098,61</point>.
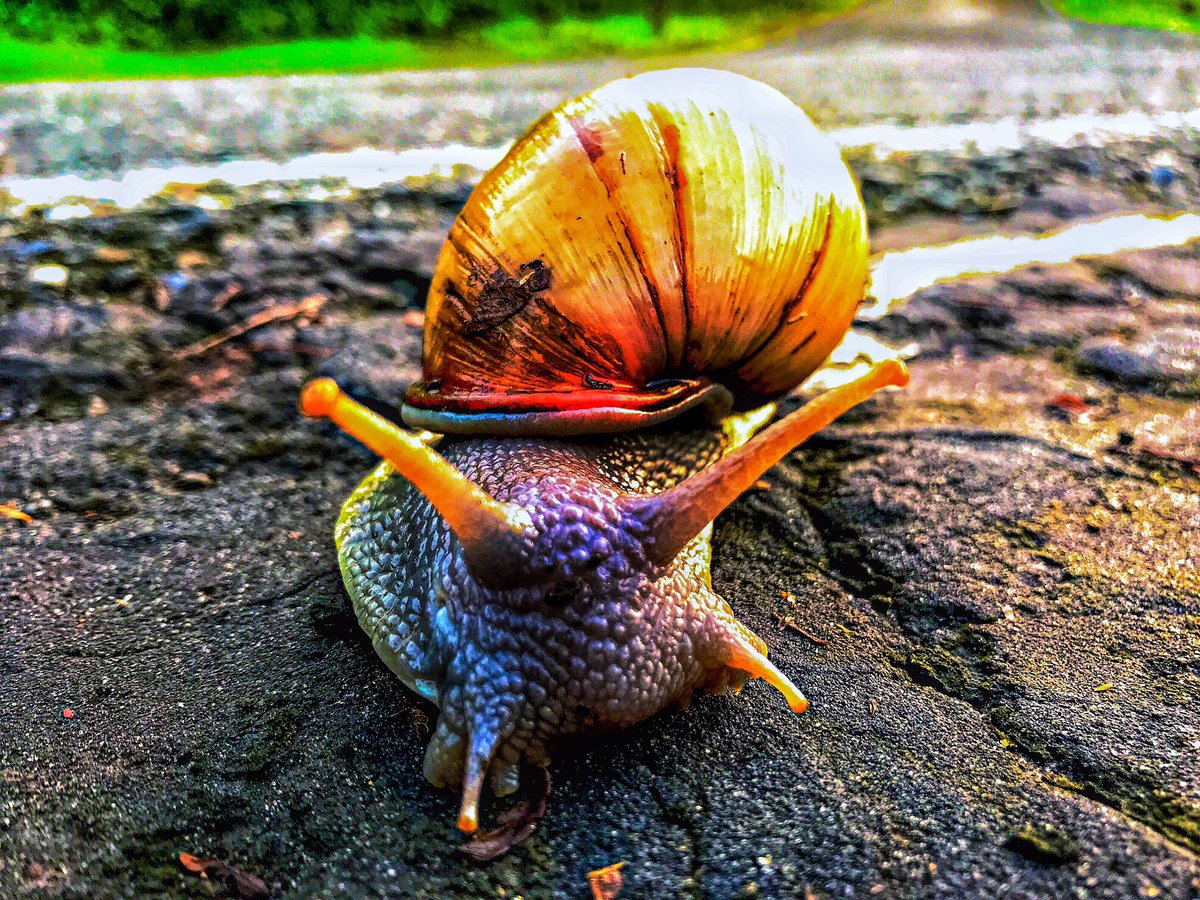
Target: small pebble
<point>56,276</point>
<point>113,255</point>
<point>1168,356</point>
<point>194,480</point>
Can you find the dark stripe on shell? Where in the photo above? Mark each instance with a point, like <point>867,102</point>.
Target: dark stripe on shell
<point>592,146</point>
<point>677,180</point>
<point>785,317</point>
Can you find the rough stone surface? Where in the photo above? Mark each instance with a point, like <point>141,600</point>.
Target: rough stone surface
<point>1000,561</point>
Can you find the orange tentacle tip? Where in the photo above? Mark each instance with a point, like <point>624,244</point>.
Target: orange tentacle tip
<point>318,397</point>
<point>744,657</point>
<point>896,372</point>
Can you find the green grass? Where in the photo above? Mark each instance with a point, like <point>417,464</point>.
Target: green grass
<point>23,62</point>
<point>518,40</point>
<point>1167,15</point>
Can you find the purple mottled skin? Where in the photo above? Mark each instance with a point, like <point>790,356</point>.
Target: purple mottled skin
<point>605,639</point>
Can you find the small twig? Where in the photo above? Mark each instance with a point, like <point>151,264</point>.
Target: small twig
<point>298,347</point>
<point>230,291</point>
<point>1191,462</point>
<point>789,622</point>
<point>309,306</point>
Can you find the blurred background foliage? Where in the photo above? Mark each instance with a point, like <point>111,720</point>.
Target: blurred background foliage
<point>1169,15</point>
<point>70,40</point>
<point>73,40</point>
<point>203,24</point>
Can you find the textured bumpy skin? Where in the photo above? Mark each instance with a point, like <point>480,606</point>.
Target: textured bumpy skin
<point>606,639</point>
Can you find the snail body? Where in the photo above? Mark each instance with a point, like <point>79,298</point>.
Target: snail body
<point>569,652</point>
<point>681,240</point>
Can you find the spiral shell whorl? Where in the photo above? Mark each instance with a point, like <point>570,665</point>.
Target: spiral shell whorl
<point>642,244</point>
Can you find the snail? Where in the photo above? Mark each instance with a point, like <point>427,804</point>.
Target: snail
<point>611,315</point>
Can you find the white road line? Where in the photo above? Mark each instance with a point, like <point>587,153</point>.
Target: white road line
<point>365,167</point>
<point>362,169</point>
<point>1012,133</point>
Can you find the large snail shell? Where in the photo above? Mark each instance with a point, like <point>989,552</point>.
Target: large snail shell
<point>667,239</point>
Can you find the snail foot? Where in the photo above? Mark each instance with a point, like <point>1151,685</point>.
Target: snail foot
<point>514,826</point>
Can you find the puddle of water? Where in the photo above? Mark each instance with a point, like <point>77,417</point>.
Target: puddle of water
<point>851,359</point>
<point>900,274</point>
<point>896,276</point>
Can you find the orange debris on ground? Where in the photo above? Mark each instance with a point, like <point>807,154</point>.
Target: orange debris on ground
<point>194,863</point>
<point>606,883</point>
<point>13,513</point>
<point>1071,403</point>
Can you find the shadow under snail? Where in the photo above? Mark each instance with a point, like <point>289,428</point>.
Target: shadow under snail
<point>682,241</point>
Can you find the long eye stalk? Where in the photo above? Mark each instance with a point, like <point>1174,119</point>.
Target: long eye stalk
<point>676,516</point>
<point>490,531</point>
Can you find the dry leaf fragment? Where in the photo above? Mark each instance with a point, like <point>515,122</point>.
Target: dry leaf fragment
<point>238,883</point>
<point>513,827</point>
<point>247,886</point>
<point>13,513</point>
<point>606,882</point>
<point>195,863</point>
<point>1069,403</point>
